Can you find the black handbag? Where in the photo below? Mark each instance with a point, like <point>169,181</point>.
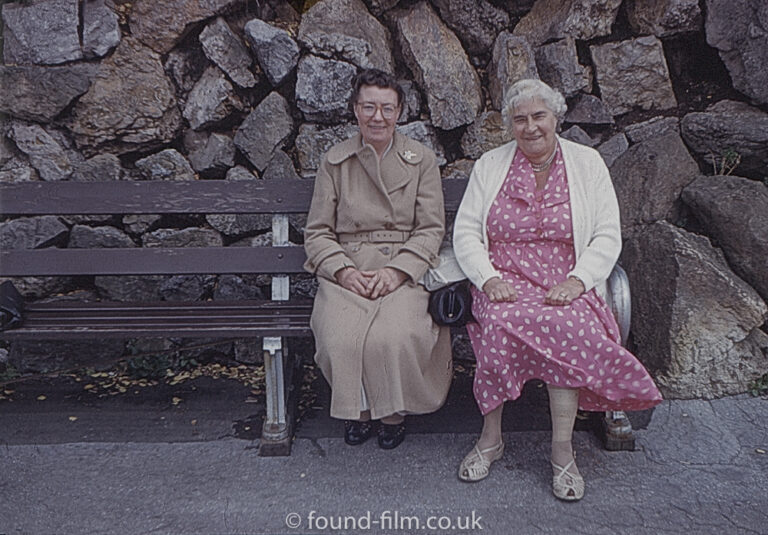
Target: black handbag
<point>11,306</point>
<point>451,305</point>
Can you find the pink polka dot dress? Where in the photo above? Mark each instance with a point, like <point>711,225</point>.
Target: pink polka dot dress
<point>573,346</point>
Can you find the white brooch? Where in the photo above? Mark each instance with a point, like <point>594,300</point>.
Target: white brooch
<point>408,155</point>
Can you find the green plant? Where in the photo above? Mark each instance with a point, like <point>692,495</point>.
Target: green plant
<point>726,162</point>
<point>759,386</point>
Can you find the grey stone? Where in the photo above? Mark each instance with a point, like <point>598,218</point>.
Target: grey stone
<point>486,133</point>
<point>168,164</point>
<point>30,357</point>
<point>186,287</point>
<point>739,31</point>
<point>280,167</point>
<point>249,351</point>
<point>187,237</point>
<point>84,237</point>
<point>633,73</point>
<point>32,232</point>
<point>458,169</point>
<point>614,147</point>
<point>578,135</point>
<point>41,32</point>
<point>101,28</point>
<point>211,100</point>
<point>265,129</point>
<point>45,154</point>
<point>236,225</point>
<point>17,170</point>
<point>225,49</point>
<point>41,93</point>
<point>649,177</point>
<point>411,105</point>
<point>240,173</point>
<point>475,22</point>
<point>378,7</point>
<point>8,151</point>
<point>424,132</point>
<point>735,213</point>
<point>512,60</point>
<point>161,24</point>
<point>89,220</point>
<point>695,324</point>
<point>129,287</point>
<point>275,49</point>
<point>580,19</point>
<point>130,106</point>
<point>101,167</point>
<point>323,88</point>
<point>186,66</point>
<point>440,65</point>
<point>730,126</point>
<point>588,109</point>
<point>664,18</point>
<point>655,127</point>
<point>558,65</point>
<point>313,141</point>
<point>234,287</point>
<point>40,287</point>
<point>213,160</point>
<point>344,29</point>
<point>140,223</point>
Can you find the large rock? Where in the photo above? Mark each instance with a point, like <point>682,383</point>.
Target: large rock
<point>578,135</point>
<point>730,126</point>
<point>85,237</point>
<point>211,100</point>
<point>440,65</point>
<point>614,147</point>
<point>694,323</point>
<point>41,32</point>
<point>168,164</point>
<point>738,29</point>
<point>161,24</point>
<point>237,225</point>
<point>633,73</point>
<point>275,49</point>
<point>424,133</point>
<point>185,66</point>
<point>588,109</point>
<point>486,133</point>
<point>663,18</point>
<point>580,19</point>
<point>649,177</point>
<point>130,105</point>
<point>475,22</point>
<point>344,29</point>
<point>101,167</point>
<point>225,49</point>
<point>512,60</point>
<point>558,66</point>
<point>313,141</point>
<point>280,167</point>
<point>32,232</point>
<point>735,213</point>
<point>41,93</point>
<point>45,154</point>
<point>411,105</point>
<point>213,159</point>
<point>101,28</point>
<point>129,287</point>
<point>186,237</point>
<point>655,127</point>
<point>323,88</point>
<point>265,129</point>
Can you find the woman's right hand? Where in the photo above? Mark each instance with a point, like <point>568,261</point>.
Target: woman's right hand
<point>499,290</point>
<point>353,280</point>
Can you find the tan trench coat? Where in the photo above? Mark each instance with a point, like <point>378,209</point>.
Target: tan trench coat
<point>389,345</point>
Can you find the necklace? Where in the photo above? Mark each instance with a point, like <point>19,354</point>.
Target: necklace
<point>537,168</point>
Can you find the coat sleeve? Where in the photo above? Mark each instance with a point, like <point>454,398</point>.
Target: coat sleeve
<point>469,244</point>
<point>420,251</point>
<point>595,263</point>
<point>325,255</point>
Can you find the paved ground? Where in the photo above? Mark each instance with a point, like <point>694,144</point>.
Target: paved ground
<point>141,464</point>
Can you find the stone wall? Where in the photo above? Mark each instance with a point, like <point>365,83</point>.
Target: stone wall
<point>670,92</point>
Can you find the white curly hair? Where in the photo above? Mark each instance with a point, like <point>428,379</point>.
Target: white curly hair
<point>529,89</point>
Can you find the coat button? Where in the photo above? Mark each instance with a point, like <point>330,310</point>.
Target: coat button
<point>389,226</point>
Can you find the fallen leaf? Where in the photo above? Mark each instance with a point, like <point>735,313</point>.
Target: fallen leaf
<point>176,400</point>
<point>41,398</point>
<point>193,422</point>
<point>89,386</point>
<point>73,418</point>
<point>760,450</point>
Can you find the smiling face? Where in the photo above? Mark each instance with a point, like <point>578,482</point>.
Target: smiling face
<point>534,125</point>
<point>377,111</point>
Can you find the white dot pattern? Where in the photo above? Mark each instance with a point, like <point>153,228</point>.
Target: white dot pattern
<point>574,346</point>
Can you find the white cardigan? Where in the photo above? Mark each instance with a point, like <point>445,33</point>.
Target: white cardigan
<point>594,214</point>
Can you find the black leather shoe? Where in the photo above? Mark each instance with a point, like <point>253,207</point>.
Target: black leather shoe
<point>356,432</point>
<point>391,435</point>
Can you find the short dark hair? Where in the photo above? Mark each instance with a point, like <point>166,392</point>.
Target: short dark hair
<point>376,78</point>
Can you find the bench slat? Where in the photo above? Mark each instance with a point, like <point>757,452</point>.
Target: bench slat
<point>151,261</point>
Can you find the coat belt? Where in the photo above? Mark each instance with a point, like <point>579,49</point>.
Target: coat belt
<point>375,236</point>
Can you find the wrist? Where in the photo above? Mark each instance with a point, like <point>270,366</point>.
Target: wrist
<point>579,281</point>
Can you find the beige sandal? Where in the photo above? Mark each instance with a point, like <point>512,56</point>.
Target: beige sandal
<point>567,486</point>
<point>477,463</point>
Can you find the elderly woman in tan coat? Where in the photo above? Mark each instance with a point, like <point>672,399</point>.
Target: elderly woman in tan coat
<point>374,227</point>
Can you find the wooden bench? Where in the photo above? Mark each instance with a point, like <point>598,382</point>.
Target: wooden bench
<point>272,320</point>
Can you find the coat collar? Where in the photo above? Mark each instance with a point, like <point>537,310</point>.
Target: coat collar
<point>407,150</point>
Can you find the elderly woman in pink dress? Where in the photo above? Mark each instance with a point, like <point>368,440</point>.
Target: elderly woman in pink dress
<point>537,234</point>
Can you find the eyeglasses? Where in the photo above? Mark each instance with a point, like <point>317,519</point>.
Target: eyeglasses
<point>368,110</point>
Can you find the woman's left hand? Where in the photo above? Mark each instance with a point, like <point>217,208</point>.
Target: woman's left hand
<point>384,281</point>
<point>565,292</point>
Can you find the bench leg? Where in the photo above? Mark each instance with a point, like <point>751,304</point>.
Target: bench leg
<point>616,431</point>
<point>277,431</point>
